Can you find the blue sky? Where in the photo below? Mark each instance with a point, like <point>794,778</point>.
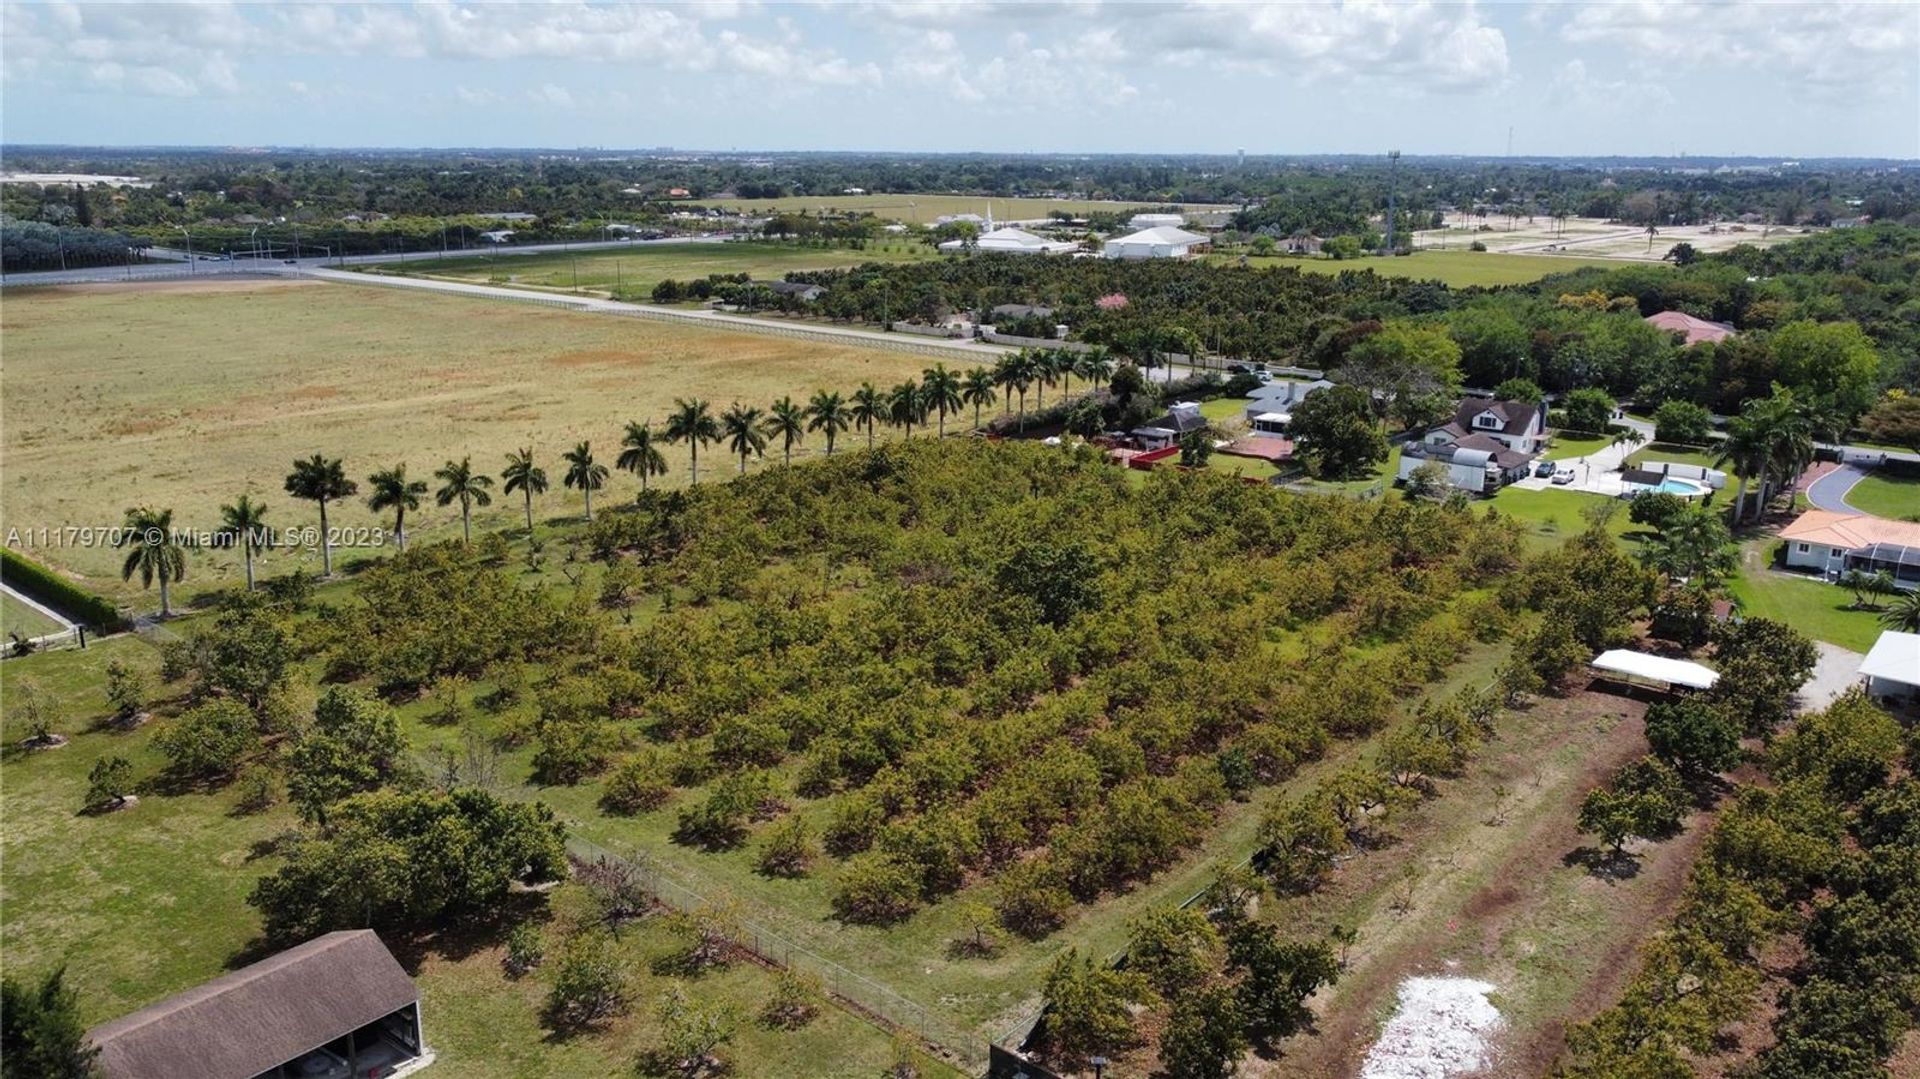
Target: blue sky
<point>1792,80</point>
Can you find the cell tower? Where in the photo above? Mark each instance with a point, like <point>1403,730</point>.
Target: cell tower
<point>1393,167</point>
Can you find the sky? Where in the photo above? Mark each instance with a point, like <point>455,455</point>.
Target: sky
<point>1762,79</point>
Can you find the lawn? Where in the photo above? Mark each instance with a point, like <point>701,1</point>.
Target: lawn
<point>1564,448</point>
<point>1552,515</point>
<point>638,269</point>
<point>1897,497</point>
<point>1819,610</point>
<point>1672,453</point>
<point>187,396</point>
<point>922,209</point>
<point>152,900</point>
<point>1458,269</point>
<point>19,618</point>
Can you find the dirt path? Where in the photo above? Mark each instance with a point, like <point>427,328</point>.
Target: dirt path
<point>1497,894</point>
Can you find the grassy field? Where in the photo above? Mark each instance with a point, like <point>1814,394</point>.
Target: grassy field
<point>189,396</point>
<point>922,209</point>
<point>152,900</point>
<point>1887,496</point>
<point>1819,610</point>
<point>1456,268</point>
<point>1564,448</point>
<point>641,267</point>
<point>1671,453</point>
<point>24,620</point>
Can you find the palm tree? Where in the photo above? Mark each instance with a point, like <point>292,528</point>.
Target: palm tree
<point>1628,436</point>
<point>977,389</point>
<point>639,455</point>
<point>460,483</point>
<point>786,421</point>
<point>905,405</point>
<point>692,422</point>
<point>1903,614</point>
<point>156,555</point>
<point>317,479</point>
<point>740,430</point>
<point>1017,372</point>
<point>1744,450</point>
<point>1095,365</point>
<point>940,390</point>
<point>584,473</point>
<point>245,520</point>
<point>869,409</point>
<point>828,414</point>
<point>1044,368</point>
<point>391,490</point>
<point>522,475</point>
<point>1695,545</point>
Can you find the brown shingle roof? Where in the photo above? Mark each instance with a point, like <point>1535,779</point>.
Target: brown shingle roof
<point>1515,416</point>
<point>1694,329</point>
<point>258,1017</point>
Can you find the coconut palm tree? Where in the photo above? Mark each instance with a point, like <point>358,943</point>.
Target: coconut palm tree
<point>522,475</point>
<point>1744,451</point>
<point>828,414</point>
<point>391,490</point>
<point>692,422</point>
<point>317,479</point>
<point>740,430</point>
<point>1903,614</point>
<point>940,391</point>
<point>906,406</point>
<point>1095,365</point>
<point>787,421</point>
<point>639,455</point>
<point>246,521</point>
<point>1695,545</point>
<point>1045,367</point>
<point>155,554</point>
<point>584,473</point>
<point>1017,377</point>
<point>977,389</point>
<point>460,483</point>
<point>869,409</point>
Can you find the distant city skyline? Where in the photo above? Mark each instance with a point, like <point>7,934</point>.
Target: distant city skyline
<point>1628,79</point>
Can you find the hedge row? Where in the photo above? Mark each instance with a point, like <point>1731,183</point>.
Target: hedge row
<point>38,582</point>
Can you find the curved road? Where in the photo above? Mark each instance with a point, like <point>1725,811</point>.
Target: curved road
<point>1829,492</point>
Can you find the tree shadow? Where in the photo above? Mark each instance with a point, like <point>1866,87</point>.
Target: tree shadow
<point>1602,863</point>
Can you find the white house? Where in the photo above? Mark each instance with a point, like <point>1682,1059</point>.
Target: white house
<point>1270,406</point>
<point>1831,544</point>
<point>1013,241</point>
<point>1154,221</point>
<point>1520,426</point>
<point>1162,242</point>
<point>1475,464</point>
<point>1892,669</point>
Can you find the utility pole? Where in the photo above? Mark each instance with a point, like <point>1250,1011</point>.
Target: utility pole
<point>189,235</point>
<point>1393,167</point>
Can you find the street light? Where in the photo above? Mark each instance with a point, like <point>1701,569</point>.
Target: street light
<point>1099,1066</point>
<point>189,236</point>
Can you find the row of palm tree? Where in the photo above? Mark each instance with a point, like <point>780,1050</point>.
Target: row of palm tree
<point>1772,436</point>
<point>744,430</point>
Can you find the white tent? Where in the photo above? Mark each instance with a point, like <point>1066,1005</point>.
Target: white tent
<point>1892,668</point>
<point>1675,672</point>
<point>1016,241</point>
<point>1155,243</point>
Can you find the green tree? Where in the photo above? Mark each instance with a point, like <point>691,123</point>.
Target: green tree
<point>589,987</point>
<point>788,849</point>
<point>692,422</point>
<point>1518,389</point>
<point>906,406</point>
<point>692,1034</point>
<point>321,481</point>
<point>1088,1007</point>
<point>829,414</point>
<point>940,391</point>
<point>41,1032</point>
<point>1336,434</point>
<point>1174,949</point>
<point>1588,409</point>
<point>740,429</point>
<point>868,409</point>
<point>109,782</point>
<point>1682,422</point>
<point>1694,736</point>
<point>584,474</point>
<point>978,389</point>
<point>1403,363</point>
<point>1833,363</point>
<point>1278,977</point>
<point>1895,419</point>
<point>1205,1034</point>
<point>391,490</point>
<point>1694,545</point>
<point>154,552</point>
<point>522,475</point>
<point>1062,580</point>
<point>1644,800</point>
<point>209,741</point>
<point>640,454</point>
<point>786,421</point>
<point>1195,448</point>
<point>246,522</point>
<point>354,745</point>
<point>460,483</point>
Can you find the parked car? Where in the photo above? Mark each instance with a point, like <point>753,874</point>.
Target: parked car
<point>320,1064</point>
<point>1543,469</point>
<point>1239,369</point>
<point>1563,477</point>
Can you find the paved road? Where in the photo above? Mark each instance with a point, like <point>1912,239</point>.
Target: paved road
<point>1829,492</point>
<point>174,265</point>
<point>1835,670</point>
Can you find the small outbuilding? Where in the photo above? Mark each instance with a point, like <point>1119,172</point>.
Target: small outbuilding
<point>337,1006</point>
<point>1891,670</point>
<point>1160,242</point>
<point>1645,667</point>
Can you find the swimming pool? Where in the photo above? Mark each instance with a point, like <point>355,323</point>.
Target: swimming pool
<point>1683,488</point>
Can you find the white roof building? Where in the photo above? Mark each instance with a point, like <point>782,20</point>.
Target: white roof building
<point>1162,242</point>
<point>1154,221</point>
<point>1892,668</point>
<point>1013,241</point>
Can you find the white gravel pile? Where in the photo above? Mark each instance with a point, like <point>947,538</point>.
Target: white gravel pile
<point>1442,1029</point>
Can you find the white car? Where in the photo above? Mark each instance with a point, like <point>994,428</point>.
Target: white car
<point>1563,477</point>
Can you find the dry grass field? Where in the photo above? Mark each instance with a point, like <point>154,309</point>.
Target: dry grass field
<point>1592,237</point>
<point>189,395</point>
<point>639,268</point>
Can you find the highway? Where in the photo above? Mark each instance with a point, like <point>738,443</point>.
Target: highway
<point>176,265</point>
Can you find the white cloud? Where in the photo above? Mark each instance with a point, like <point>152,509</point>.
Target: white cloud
<point>1419,46</point>
<point>1828,47</point>
<point>1573,86</point>
<point>551,96</point>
